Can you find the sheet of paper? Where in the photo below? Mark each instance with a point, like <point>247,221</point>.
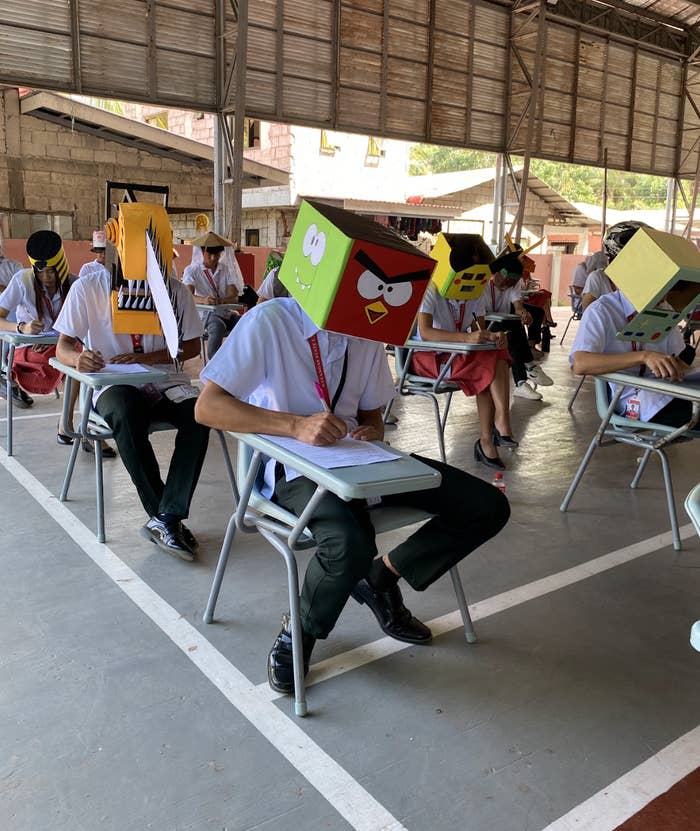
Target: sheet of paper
<point>49,333</point>
<point>123,369</point>
<point>344,453</point>
<point>161,298</point>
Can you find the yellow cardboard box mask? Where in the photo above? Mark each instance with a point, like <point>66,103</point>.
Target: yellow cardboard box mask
<point>462,269</point>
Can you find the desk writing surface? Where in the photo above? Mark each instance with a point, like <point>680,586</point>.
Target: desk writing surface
<point>379,479</point>
<point>496,316</point>
<point>446,346</point>
<point>687,390</point>
<point>21,339</point>
<point>106,379</point>
<point>222,307</point>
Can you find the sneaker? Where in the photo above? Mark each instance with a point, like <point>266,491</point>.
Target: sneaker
<point>524,390</point>
<point>538,376</point>
<point>537,354</point>
<point>168,536</point>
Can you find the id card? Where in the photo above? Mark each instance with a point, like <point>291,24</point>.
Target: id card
<point>633,408</point>
<point>181,392</point>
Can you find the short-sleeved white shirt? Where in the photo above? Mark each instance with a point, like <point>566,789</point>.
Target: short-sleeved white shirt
<point>500,300</point>
<point>450,315</point>
<point>221,282</point>
<point>87,315</point>
<point>597,331</point>
<point>8,269</point>
<point>578,278</point>
<point>267,287</point>
<point>91,269</point>
<point>20,297</point>
<point>597,284</point>
<point>267,361</point>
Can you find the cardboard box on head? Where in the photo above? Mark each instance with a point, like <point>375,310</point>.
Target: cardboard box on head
<point>659,273</point>
<point>353,276</point>
<point>133,306</point>
<point>462,269</point>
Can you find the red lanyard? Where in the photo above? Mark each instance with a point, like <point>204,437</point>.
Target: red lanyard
<point>48,305</point>
<point>635,347</point>
<point>318,365</point>
<point>211,282</point>
<point>493,298</point>
<point>136,342</point>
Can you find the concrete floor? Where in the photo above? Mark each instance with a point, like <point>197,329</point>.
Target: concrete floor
<point>120,710</point>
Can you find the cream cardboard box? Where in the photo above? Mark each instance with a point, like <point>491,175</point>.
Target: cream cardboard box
<point>659,273</point>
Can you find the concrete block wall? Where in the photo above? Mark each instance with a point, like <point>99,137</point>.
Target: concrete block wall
<point>46,168</point>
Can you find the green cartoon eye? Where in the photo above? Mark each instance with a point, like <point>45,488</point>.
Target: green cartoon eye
<point>314,244</point>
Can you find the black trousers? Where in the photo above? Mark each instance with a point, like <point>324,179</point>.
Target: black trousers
<point>468,512</point>
<point>518,346</point>
<point>129,414</point>
<point>534,330</point>
<point>676,413</point>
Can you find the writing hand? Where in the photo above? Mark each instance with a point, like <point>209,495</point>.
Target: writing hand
<point>320,429</point>
<point>89,361</point>
<point>366,432</point>
<point>664,366</point>
<point>33,327</point>
<point>127,358</point>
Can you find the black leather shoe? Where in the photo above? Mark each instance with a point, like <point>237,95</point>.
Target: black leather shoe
<point>504,441</point>
<point>392,616</point>
<point>168,536</point>
<point>280,666</point>
<point>62,438</point>
<point>489,461</point>
<point>107,451</point>
<point>19,397</point>
<point>189,537</point>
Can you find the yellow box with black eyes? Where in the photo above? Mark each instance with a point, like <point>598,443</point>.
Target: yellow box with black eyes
<point>133,311</point>
<point>354,276</point>
<point>462,269</point>
<point>659,273</point>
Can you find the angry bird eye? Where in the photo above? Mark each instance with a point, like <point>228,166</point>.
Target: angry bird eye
<point>369,285</point>
<point>396,294</point>
<point>314,244</point>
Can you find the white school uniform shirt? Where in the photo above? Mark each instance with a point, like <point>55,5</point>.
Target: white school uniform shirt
<point>8,269</point>
<point>450,315</point>
<point>598,283</point>
<point>597,331</point>
<point>221,282</point>
<point>500,300</point>
<point>92,269</point>
<point>267,361</point>
<point>20,297</point>
<point>87,315</point>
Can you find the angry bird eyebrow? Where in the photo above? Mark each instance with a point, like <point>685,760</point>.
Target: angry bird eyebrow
<point>365,260</point>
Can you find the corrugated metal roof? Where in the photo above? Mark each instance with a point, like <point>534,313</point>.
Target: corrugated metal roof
<point>445,71</point>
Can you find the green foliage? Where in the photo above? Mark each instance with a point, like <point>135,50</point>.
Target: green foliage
<point>577,183</point>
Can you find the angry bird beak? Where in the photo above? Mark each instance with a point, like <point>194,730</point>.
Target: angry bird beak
<point>376,311</point>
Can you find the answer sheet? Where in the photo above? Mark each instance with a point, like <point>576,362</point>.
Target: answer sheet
<point>344,453</point>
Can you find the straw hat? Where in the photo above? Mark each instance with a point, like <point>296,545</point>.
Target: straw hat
<point>211,240</point>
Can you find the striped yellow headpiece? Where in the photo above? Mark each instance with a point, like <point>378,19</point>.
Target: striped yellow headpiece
<point>45,250</point>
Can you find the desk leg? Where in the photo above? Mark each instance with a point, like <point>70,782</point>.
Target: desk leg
<point>8,387</point>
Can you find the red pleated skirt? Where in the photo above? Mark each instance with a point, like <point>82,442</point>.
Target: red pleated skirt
<point>473,372</point>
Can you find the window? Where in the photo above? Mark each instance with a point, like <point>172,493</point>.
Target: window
<point>251,132</point>
<point>158,120</point>
<point>22,224</point>
<point>252,237</point>
<point>328,146</point>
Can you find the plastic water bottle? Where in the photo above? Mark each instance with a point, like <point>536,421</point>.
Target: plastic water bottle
<point>499,482</point>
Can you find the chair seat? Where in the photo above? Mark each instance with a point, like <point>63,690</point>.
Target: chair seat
<point>428,383</point>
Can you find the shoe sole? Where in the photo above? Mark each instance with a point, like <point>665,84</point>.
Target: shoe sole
<point>363,602</point>
<point>188,557</point>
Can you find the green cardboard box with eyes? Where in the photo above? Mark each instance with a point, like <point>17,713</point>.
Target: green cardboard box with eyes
<point>659,273</point>
<point>354,276</point>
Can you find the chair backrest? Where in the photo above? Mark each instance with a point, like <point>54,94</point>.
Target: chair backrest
<point>692,506</point>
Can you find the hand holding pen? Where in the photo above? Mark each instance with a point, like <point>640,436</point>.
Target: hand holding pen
<point>320,429</point>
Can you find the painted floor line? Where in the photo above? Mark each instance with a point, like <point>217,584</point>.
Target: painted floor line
<point>383,647</point>
<point>623,798</point>
<point>358,807</point>
<point>29,417</point>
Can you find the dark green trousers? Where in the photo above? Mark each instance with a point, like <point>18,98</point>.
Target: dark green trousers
<point>129,414</point>
<point>468,512</point>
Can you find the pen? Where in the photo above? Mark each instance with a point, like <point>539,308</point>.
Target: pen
<point>322,397</point>
<point>476,322</point>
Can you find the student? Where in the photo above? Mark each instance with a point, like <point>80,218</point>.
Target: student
<point>8,268</point>
<point>597,349</point>
<point>213,283</point>
<point>593,262</point>
<point>503,295</point>
<point>99,247</point>
<point>129,411</point>
<point>36,295</point>
<point>482,374</point>
<point>264,380</point>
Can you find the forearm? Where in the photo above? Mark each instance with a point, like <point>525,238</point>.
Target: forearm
<point>221,411</point>
<point>518,306</point>
<point>430,333</point>
<point>596,363</point>
<point>66,351</point>
<point>587,300</point>
<point>5,324</point>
